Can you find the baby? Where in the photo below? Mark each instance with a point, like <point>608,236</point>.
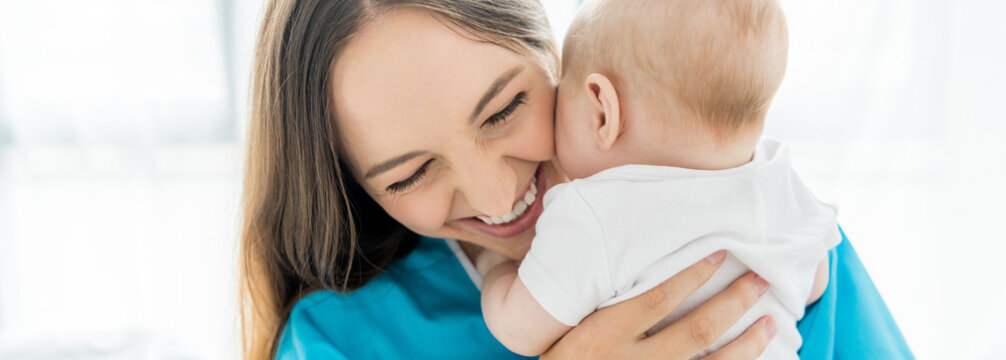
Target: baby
<point>659,117</point>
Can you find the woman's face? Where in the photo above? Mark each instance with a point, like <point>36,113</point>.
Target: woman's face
<point>448,134</point>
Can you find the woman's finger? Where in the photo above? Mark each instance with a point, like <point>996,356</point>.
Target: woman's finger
<point>700,328</point>
<point>631,318</point>
<point>751,344</point>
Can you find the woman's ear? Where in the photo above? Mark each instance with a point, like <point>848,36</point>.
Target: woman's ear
<point>607,113</point>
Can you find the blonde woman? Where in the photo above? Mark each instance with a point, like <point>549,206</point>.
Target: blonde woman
<point>391,142</point>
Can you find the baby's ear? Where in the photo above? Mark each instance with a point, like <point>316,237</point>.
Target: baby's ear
<point>607,113</point>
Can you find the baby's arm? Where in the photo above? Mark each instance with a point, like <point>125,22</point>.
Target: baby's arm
<point>820,282</point>
<point>514,317</point>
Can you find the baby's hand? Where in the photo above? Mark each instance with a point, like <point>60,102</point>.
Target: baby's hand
<point>487,260</point>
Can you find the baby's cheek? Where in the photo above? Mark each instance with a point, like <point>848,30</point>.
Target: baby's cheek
<point>571,149</point>
<point>569,161</point>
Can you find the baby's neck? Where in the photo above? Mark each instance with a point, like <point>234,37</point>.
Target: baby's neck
<point>696,152</point>
<point>708,156</point>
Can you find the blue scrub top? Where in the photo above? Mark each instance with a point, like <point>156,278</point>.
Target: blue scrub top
<point>426,307</point>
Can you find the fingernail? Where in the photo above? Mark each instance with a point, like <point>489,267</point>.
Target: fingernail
<point>760,286</point>
<point>770,329</point>
<point>717,257</point>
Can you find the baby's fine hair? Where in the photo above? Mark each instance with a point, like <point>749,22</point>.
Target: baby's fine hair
<point>719,61</point>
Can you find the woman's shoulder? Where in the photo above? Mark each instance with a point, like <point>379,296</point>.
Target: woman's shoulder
<point>384,290</point>
<point>851,316</point>
<point>426,260</point>
<point>415,307</point>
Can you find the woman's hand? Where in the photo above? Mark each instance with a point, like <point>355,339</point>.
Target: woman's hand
<point>618,331</point>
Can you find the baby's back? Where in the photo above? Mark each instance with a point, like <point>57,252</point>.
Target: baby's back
<point>652,222</point>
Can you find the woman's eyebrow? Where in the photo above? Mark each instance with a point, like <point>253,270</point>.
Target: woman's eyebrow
<point>494,89</point>
<point>391,164</point>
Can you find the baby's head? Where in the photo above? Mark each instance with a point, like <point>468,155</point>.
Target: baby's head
<point>682,83</point>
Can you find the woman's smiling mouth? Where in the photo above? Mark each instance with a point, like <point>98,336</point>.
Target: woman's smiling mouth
<point>522,216</point>
<point>519,207</point>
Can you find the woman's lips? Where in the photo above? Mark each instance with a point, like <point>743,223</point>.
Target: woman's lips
<point>521,223</point>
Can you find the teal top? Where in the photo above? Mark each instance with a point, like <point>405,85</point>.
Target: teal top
<point>425,306</point>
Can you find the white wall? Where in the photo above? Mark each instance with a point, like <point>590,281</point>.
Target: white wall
<point>120,166</point>
<point>893,111</point>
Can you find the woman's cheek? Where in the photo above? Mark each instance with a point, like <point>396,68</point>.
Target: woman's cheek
<point>538,137</point>
<point>423,211</point>
<point>540,140</point>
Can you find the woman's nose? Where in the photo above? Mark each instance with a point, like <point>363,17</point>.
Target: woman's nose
<point>489,187</point>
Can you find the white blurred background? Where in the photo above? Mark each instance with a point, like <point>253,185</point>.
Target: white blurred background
<point>121,126</point>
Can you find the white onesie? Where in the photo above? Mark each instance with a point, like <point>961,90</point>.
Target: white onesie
<point>622,231</point>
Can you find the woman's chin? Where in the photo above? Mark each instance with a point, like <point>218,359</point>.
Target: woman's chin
<point>514,247</point>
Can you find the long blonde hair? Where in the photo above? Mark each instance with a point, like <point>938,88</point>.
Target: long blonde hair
<point>307,224</point>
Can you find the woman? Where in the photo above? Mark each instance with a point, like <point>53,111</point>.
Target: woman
<point>375,121</point>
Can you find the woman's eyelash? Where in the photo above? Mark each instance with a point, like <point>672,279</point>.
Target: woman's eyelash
<point>502,115</point>
<point>493,120</point>
<point>407,184</point>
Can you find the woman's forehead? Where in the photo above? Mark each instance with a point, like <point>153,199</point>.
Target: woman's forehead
<point>406,79</point>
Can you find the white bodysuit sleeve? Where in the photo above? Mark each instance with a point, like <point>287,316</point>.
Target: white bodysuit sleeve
<point>566,269</point>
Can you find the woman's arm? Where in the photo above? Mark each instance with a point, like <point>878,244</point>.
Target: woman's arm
<point>820,282</point>
<point>514,317</point>
<point>619,331</point>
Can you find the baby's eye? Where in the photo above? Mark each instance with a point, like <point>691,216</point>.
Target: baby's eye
<point>501,116</point>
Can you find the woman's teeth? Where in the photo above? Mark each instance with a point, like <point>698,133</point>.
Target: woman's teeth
<point>518,208</point>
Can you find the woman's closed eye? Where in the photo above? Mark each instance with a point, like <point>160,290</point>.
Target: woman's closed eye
<point>411,181</point>
<point>494,120</point>
<point>501,116</point>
